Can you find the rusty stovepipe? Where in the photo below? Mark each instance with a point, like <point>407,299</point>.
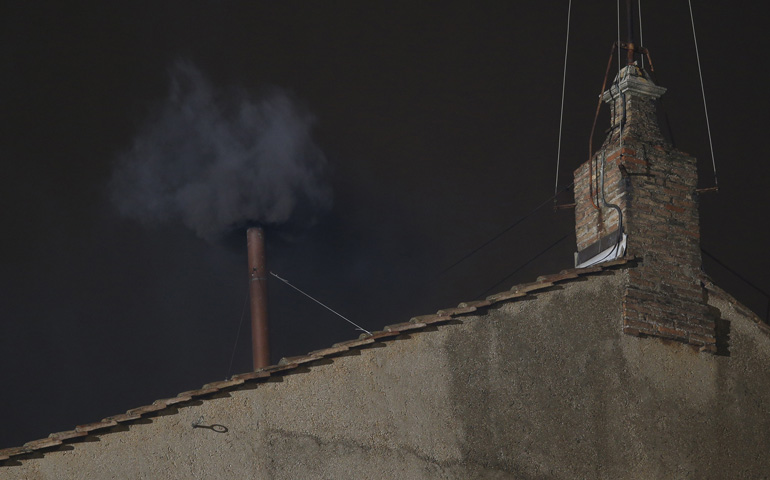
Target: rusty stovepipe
<point>630,17</point>
<point>260,345</point>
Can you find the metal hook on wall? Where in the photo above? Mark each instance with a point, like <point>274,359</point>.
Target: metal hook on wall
<point>216,427</point>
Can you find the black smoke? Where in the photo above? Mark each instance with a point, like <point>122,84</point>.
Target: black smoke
<point>217,160</point>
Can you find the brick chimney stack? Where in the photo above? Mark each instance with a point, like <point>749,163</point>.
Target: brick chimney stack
<point>653,186</point>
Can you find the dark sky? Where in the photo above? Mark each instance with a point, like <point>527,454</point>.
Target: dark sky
<point>439,123</point>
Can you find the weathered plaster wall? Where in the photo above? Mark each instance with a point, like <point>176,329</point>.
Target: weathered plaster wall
<point>567,396</point>
<point>545,388</point>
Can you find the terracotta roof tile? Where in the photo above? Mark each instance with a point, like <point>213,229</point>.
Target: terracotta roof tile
<point>298,360</point>
<point>172,401</point>
<point>90,427</point>
<point>503,296</point>
<point>252,375</point>
<point>153,407</point>
<point>279,368</point>
<point>13,451</point>
<point>66,435</point>
<point>456,311</point>
<point>431,319</point>
<point>558,277</point>
<point>585,270</point>
<point>198,392</point>
<point>617,262</point>
<point>402,327</point>
<point>532,287</point>
<point>329,351</point>
<point>43,443</point>
<point>477,304</point>
<point>354,343</point>
<point>123,417</point>
<point>380,334</point>
<point>224,383</point>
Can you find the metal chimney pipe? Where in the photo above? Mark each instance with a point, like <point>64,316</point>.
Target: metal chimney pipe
<point>630,16</point>
<point>260,344</point>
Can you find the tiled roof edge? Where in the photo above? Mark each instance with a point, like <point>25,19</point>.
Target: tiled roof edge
<point>719,292</point>
<point>415,324</point>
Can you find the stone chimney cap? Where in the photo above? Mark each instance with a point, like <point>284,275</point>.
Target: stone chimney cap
<point>634,80</point>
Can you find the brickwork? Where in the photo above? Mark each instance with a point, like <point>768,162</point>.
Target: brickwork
<point>592,220</point>
<point>654,186</point>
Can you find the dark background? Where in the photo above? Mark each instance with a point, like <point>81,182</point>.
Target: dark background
<point>440,123</point>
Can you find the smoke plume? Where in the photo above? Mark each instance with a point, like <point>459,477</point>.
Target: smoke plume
<point>218,160</point>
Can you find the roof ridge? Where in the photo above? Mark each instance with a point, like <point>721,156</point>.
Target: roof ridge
<point>416,323</point>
